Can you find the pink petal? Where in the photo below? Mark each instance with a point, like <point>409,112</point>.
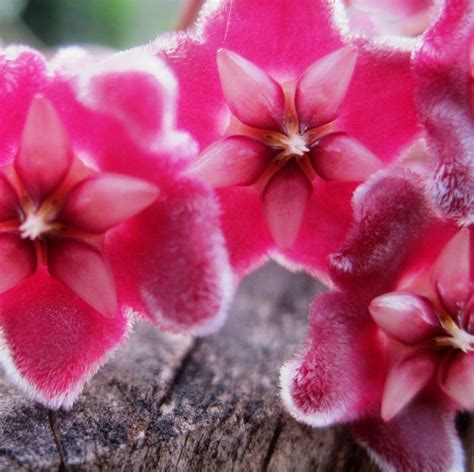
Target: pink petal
<point>17,260</point>
<point>284,203</point>
<point>421,437</point>
<point>323,86</point>
<point>407,317</point>
<point>339,374</point>
<point>100,202</point>
<point>52,341</point>
<point>45,155</point>
<point>251,94</point>
<point>170,261</point>
<point>235,160</point>
<point>452,274</point>
<point>9,205</point>
<point>458,380</point>
<point>336,156</point>
<point>405,380</point>
<point>85,271</point>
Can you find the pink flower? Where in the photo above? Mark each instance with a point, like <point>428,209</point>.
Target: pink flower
<point>97,220</point>
<point>444,75</point>
<point>288,118</point>
<point>391,349</point>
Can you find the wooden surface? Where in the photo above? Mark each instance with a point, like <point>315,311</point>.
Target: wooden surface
<point>172,403</point>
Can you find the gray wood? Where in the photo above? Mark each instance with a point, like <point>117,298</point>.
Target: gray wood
<point>173,403</point>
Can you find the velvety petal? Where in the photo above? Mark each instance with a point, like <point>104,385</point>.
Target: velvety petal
<point>85,271</point>
<point>421,437</point>
<point>45,153</point>
<point>407,317</point>
<point>284,203</point>
<point>390,214</point>
<point>235,160</point>
<point>337,156</point>
<point>52,341</point>
<point>405,380</point>
<point>100,202</point>
<point>170,262</point>
<point>457,380</point>
<point>339,374</point>
<point>252,95</point>
<point>17,260</point>
<point>323,86</point>
<point>22,75</point>
<point>453,273</point>
<point>442,71</point>
<point>9,208</point>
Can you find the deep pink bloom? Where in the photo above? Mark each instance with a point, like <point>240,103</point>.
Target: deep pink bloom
<point>288,118</point>
<point>97,221</point>
<point>391,349</point>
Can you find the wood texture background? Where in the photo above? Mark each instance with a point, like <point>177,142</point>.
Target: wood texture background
<point>173,403</point>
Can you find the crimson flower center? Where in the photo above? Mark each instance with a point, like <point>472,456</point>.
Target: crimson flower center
<point>38,222</point>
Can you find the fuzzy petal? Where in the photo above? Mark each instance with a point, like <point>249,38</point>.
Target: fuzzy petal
<point>407,317</point>
<point>45,153</point>
<point>339,375</point>
<point>98,203</point>
<point>52,341</point>
<point>458,380</point>
<point>235,160</point>
<point>17,260</point>
<point>337,156</point>
<point>253,96</point>
<point>284,204</point>
<point>322,87</point>
<point>9,205</point>
<point>170,262</point>
<point>405,380</point>
<point>421,437</point>
<point>85,271</point>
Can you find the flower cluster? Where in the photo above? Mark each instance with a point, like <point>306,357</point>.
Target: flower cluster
<point>333,136</point>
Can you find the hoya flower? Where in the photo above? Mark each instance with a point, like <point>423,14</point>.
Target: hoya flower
<point>97,221</point>
<point>391,349</point>
<point>444,75</point>
<point>289,117</point>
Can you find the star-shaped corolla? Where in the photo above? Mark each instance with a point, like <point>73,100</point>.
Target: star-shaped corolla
<point>289,118</point>
<point>97,221</point>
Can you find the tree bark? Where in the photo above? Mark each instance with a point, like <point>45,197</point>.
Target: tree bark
<point>173,403</point>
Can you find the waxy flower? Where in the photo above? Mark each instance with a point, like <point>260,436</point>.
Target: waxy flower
<point>391,349</point>
<point>288,118</point>
<point>97,222</point>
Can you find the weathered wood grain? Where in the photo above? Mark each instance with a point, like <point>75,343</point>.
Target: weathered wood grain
<point>172,403</point>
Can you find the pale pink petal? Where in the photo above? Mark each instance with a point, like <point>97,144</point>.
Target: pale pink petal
<point>52,341</point>
<point>170,262</point>
<point>339,374</point>
<point>405,380</point>
<point>85,271</point>
<point>9,205</point>
<point>284,203</point>
<point>100,202</point>
<point>17,260</point>
<point>235,160</point>
<point>337,156</point>
<point>421,437</point>
<point>452,274</point>
<point>457,380</point>
<point>252,95</point>
<point>407,317</point>
<point>45,154</point>
<point>323,86</point>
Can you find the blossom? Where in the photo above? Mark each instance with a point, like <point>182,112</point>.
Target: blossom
<point>391,348</point>
<point>289,118</point>
<point>97,221</point>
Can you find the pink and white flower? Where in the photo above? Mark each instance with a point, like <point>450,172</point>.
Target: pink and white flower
<point>96,219</point>
<point>289,118</point>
